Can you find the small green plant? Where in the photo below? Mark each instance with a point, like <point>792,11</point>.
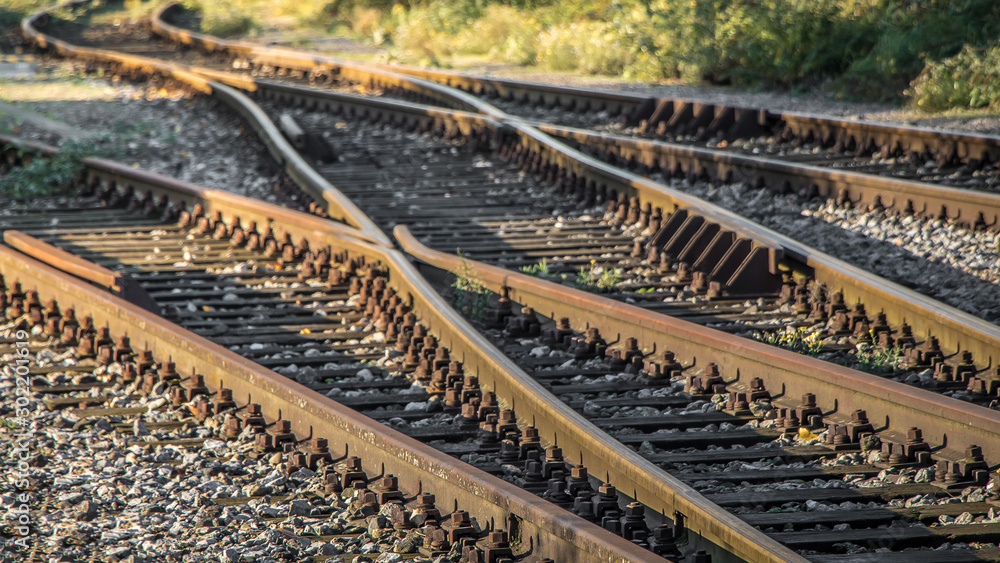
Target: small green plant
<point>541,268</point>
<point>599,280</point>
<point>795,339</point>
<point>46,175</point>
<point>877,359</point>
<point>471,296</point>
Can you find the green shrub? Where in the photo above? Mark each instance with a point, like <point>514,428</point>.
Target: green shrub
<point>226,18</point>
<point>47,175</point>
<point>502,32</point>
<point>856,48</point>
<point>591,47</point>
<point>970,79</point>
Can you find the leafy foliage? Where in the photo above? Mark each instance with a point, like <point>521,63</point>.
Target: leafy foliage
<point>795,339</point>
<point>969,79</point>
<point>541,268</point>
<point>598,279</point>
<point>471,296</point>
<point>849,48</point>
<point>877,359</point>
<point>46,175</point>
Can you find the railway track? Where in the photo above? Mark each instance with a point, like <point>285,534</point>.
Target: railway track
<point>895,178</point>
<point>253,294</point>
<point>529,236</point>
<point>591,182</point>
<point>876,163</point>
<point>274,300</point>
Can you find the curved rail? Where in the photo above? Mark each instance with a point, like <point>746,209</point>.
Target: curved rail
<point>556,533</point>
<point>947,420</point>
<point>336,205</point>
<point>977,209</point>
<point>288,58</point>
<point>944,145</point>
<point>627,471</point>
<point>592,179</point>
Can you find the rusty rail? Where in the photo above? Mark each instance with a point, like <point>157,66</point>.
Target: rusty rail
<point>336,205</point>
<point>918,198</point>
<point>952,423</point>
<point>731,122</point>
<point>554,532</point>
<point>954,329</point>
<point>117,283</point>
<point>626,470</point>
<point>297,60</point>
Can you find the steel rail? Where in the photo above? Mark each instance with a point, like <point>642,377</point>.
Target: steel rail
<point>627,471</point>
<point>595,175</point>
<point>288,58</point>
<point>956,330</point>
<point>531,137</point>
<point>949,422</point>
<point>547,531</point>
<point>943,144</point>
<point>117,283</point>
<point>975,208</point>
<point>336,205</point>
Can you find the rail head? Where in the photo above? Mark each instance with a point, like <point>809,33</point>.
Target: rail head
<point>863,189</point>
<point>553,532</point>
<point>601,453</point>
<point>948,421</point>
<point>480,357</point>
<point>334,202</point>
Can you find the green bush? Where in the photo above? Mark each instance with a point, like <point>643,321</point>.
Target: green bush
<point>47,175</point>
<point>226,18</point>
<point>503,33</point>
<point>854,48</point>
<point>970,79</point>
